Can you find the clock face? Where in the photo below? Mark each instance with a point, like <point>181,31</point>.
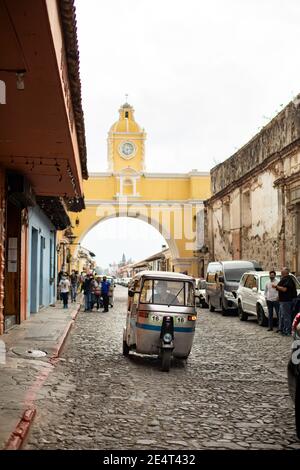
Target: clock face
<point>127,150</point>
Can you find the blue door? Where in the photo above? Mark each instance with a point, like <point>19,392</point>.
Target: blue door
<point>34,271</point>
<point>41,296</point>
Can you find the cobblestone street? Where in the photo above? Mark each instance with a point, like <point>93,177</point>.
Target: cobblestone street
<point>231,394</point>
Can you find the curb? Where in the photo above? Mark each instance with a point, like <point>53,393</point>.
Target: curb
<point>62,340</point>
<point>18,436</point>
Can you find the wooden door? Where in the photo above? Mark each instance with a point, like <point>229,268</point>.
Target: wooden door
<point>12,277</point>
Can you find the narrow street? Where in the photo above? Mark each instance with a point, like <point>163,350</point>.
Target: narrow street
<point>231,394</point>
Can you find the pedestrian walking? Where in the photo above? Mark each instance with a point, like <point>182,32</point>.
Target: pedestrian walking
<point>74,285</point>
<point>271,296</point>
<point>64,285</point>
<point>105,285</point>
<point>59,278</point>
<point>87,290</point>
<point>287,294</point>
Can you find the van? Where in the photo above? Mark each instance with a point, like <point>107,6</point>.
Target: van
<point>222,281</point>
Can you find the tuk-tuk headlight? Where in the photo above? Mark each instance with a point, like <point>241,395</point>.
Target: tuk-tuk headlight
<point>167,338</point>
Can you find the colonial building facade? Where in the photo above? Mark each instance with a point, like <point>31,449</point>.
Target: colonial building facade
<point>42,149</point>
<point>254,210</point>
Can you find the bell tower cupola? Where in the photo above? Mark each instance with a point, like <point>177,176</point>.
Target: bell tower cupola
<point>126,143</point>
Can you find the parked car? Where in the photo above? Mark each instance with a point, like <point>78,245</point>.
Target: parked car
<point>125,281</point>
<point>294,372</point>
<point>250,295</point>
<point>222,281</point>
<point>200,289</point>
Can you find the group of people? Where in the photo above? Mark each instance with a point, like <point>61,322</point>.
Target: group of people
<point>95,289</point>
<point>282,297</point>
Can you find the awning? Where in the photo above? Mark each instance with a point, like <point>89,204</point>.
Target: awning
<point>56,211</point>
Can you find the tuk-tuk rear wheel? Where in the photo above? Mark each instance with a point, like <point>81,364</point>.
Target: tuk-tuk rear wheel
<point>166,360</point>
<point>125,349</point>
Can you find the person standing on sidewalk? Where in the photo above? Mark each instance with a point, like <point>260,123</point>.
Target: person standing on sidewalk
<point>271,297</point>
<point>105,293</point>
<point>87,290</point>
<point>97,292</point>
<point>287,292</point>
<point>74,285</point>
<point>64,289</point>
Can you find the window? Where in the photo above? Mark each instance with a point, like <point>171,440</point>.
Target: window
<point>212,269</point>
<point>128,187</point>
<point>251,282</point>
<point>189,294</point>
<point>226,216</point>
<point>136,287</point>
<point>165,292</point>
<point>264,280</point>
<point>246,209</point>
<point>234,275</point>
<point>243,279</point>
<point>52,262</point>
<point>126,114</point>
<point>146,294</point>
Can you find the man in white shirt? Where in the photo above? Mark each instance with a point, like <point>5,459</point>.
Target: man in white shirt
<point>271,296</point>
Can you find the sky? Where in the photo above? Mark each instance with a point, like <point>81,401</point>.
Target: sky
<point>202,76</point>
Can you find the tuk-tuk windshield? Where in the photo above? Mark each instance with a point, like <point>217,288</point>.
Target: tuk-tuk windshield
<point>167,292</point>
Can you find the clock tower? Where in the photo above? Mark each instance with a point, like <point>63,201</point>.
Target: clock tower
<point>126,142</point>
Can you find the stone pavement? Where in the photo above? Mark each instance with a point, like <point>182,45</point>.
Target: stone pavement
<point>232,392</point>
<point>31,352</point>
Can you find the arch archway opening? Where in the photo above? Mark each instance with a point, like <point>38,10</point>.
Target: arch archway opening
<point>111,237</point>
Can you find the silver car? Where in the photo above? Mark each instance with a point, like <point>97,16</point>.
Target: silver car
<point>251,295</point>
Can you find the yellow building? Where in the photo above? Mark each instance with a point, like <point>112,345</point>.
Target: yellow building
<point>171,202</point>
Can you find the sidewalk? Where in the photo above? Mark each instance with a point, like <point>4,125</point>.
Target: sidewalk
<point>23,371</point>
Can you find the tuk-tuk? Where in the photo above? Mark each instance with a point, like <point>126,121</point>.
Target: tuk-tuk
<point>161,316</point>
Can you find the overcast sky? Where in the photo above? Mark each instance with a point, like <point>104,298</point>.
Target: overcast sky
<point>203,76</point>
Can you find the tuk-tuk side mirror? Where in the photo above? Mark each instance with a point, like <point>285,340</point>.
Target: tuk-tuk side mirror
<point>221,279</point>
<point>130,293</point>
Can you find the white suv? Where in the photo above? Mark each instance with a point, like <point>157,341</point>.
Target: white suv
<point>250,295</point>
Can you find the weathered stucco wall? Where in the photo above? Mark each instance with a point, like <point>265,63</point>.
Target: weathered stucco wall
<point>259,240</point>
<point>282,131</point>
<point>254,212</point>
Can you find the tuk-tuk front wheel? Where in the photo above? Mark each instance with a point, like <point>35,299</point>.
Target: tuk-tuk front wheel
<point>166,360</point>
<point>125,348</point>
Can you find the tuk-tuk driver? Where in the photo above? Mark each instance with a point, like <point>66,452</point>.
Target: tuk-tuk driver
<point>162,295</point>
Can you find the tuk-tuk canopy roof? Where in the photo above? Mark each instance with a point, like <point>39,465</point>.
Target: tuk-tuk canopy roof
<point>164,275</point>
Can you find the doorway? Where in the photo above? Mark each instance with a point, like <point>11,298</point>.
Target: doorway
<point>41,283</point>
<point>34,271</point>
<point>12,277</point>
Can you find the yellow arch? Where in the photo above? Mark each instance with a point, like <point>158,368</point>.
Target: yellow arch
<point>168,201</point>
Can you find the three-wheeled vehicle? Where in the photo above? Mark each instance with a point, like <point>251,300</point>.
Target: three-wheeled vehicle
<point>161,316</point>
